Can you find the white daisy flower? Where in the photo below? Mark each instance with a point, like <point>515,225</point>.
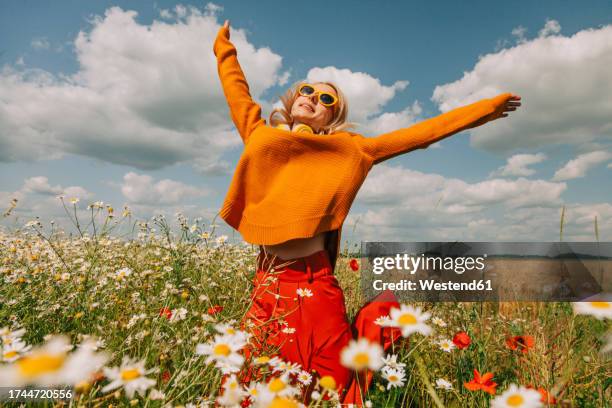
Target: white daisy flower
<point>228,329</point>
<point>156,394</point>
<point>438,322</point>
<point>288,330</point>
<point>391,362</point>
<point>8,336</point>
<point>443,384</point>
<point>223,349</point>
<point>14,350</point>
<point>362,354</point>
<point>281,386</point>
<point>252,390</point>
<point>232,393</point>
<point>51,364</point>
<point>304,292</point>
<point>600,310</point>
<point>178,314</point>
<point>304,377</point>
<point>131,375</point>
<point>122,273</point>
<point>383,321</point>
<point>517,397</point>
<point>446,345</point>
<point>394,377</point>
<point>410,320</point>
<point>284,366</point>
<point>225,328</point>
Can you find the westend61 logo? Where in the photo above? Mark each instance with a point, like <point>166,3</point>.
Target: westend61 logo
<point>488,271</point>
<point>412,263</point>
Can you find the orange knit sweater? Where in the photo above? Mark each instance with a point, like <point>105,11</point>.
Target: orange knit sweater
<point>295,185</point>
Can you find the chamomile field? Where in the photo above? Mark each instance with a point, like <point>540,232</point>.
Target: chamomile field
<point>129,314</point>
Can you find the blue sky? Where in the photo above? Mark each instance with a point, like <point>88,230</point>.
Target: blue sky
<point>554,54</point>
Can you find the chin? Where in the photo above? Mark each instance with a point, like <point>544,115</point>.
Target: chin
<point>302,119</point>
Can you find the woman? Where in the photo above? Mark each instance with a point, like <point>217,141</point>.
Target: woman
<point>292,189</point>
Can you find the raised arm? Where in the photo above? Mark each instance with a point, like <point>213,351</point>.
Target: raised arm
<point>245,113</point>
<point>429,131</point>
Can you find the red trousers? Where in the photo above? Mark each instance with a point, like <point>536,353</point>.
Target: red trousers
<point>313,329</point>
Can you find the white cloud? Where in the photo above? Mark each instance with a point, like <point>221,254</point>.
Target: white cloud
<point>40,43</point>
<point>404,205</point>
<point>142,189</point>
<point>551,27</point>
<point>144,95</point>
<point>579,166</point>
<point>40,185</point>
<point>424,191</point>
<point>519,33</point>
<point>517,165</point>
<point>38,198</point>
<point>390,121</point>
<point>565,84</point>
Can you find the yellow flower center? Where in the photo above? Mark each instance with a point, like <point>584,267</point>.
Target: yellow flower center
<point>393,378</point>
<point>515,400</point>
<point>361,360</point>
<point>130,374</point>
<point>33,366</point>
<point>600,305</point>
<point>407,319</point>
<point>328,382</point>
<point>10,354</point>
<point>230,331</point>
<point>262,360</point>
<point>276,385</point>
<point>222,350</point>
<point>283,403</point>
<point>82,386</point>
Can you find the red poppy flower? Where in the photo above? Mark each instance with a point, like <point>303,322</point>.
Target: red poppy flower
<point>545,396</point>
<point>354,265</point>
<point>483,383</point>
<point>462,340</point>
<point>166,312</point>
<point>166,376</point>
<point>214,309</point>
<point>521,343</point>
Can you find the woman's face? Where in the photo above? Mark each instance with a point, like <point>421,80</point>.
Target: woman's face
<point>308,109</point>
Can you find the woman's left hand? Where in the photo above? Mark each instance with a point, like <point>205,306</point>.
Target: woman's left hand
<point>510,105</point>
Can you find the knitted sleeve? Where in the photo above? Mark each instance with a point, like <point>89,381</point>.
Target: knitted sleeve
<point>245,113</point>
<point>423,134</point>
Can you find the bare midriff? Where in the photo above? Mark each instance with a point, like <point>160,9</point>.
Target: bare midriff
<point>297,248</point>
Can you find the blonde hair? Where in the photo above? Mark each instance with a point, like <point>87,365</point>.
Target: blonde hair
<point>340,110</point>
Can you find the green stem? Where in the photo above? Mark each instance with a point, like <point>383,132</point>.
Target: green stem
<point>425,378</point>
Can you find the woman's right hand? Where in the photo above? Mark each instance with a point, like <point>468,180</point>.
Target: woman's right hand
<point>227,25</point>
<point>224,33</point>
